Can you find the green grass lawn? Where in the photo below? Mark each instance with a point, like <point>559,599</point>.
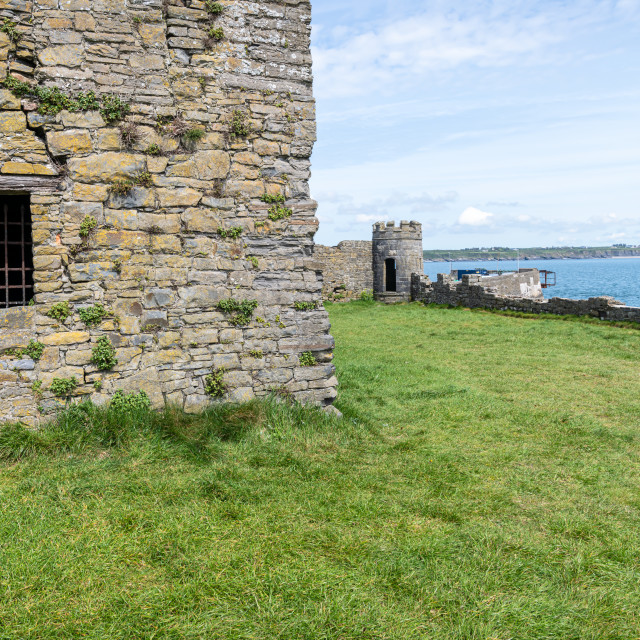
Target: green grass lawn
<point>483,484</point>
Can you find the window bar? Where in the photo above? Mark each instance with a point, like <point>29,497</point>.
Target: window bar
<point>23,249</point>
<point>17,260</point>
<point>5,302</point>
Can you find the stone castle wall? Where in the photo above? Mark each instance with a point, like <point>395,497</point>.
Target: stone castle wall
<point>346,269</point>
<point>472,293</point>
<point>176,221</point>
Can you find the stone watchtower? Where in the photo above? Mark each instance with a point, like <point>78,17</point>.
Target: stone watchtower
<point>397,253</point>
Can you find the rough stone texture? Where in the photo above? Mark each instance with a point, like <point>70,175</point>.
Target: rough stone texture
<point>404,244</point>
<point>525,283</point>
<point>156,260</point>
<point>347,269</point>
<point>474,291</point>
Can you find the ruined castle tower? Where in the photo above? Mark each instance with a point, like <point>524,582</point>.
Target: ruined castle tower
<point>397,253</point>
<point>156,227</point>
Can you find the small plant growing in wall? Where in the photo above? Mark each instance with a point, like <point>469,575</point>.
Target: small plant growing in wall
<point>300,305</point>
<point>254,261</point>
<point>191,137</point>
<point>214,383</point>
<point>231,232</point>
<point>113,109</point>
<point>242,310</point>
<point>194,134</point>
<point>176,128</point>
<point>51,100</point>
<point>93,316</point>
<point>33,350</point>
<point>278,212</point>
<point>60,311</point>
<point>63,387</point>
<point>284,394</point>
<point>307,359</point>
<point>129,134</point>
<point>153,150</point>
<point>9,28</point>
<point>103,355</point>
<point>239,126</point>
<point>130,401</point>
<point>273,198</point>
<point>214,8</point>
<point>36,387</point>
<point>256,353</point>
<point>143,179</point>
<point>87,226</point>
<point>121,187</point>
<point>216,34</point>
<point>217,188</point>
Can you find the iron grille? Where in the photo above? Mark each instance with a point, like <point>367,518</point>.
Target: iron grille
<point>16,253</point>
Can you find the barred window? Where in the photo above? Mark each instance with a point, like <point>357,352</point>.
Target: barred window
<point>16,252</point>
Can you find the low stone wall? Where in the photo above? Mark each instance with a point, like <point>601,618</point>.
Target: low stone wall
<point>346,269</point>
<point>470,293</point>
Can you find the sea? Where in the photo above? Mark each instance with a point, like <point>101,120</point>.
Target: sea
<point>586,278</point>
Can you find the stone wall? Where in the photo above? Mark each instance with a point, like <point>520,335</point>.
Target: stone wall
<point>160,215</point>
<point>469,293</point>
<point>346,269</point>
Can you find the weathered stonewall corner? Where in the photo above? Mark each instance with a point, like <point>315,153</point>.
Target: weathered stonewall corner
<point>155,218</point>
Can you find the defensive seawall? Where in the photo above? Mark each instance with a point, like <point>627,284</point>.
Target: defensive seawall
<point>469,292</point>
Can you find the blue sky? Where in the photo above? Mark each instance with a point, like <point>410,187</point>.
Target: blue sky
<point>491,122</point>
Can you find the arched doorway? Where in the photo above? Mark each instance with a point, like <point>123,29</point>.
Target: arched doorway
<point>390,274</point>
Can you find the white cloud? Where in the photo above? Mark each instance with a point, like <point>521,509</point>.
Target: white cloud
<point>628,7</point>
<point>473,217</point>
<point>494,34</point>
<point>361,217</point>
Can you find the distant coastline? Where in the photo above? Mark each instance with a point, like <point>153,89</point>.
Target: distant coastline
<point>534,253</point>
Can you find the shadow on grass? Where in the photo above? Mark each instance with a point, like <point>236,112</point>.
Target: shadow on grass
<point>539,316</point>
<point>85,427</point>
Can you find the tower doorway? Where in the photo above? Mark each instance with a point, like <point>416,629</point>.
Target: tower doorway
<point>390,274</point>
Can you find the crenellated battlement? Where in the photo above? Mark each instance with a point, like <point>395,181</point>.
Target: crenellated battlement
<point>382,228</point>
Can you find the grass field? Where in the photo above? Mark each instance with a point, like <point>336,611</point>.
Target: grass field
<point>483,484</point>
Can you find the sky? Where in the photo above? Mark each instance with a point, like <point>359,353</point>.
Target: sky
<point>491,122</point>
